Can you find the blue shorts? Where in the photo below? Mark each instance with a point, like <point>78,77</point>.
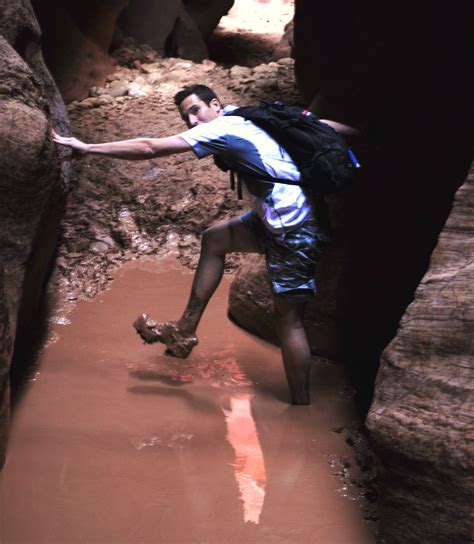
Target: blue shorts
<point>291,256</point>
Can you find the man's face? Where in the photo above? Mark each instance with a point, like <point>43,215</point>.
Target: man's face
<point>195,111</point>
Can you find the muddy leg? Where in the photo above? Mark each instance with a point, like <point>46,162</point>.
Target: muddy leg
<point>294,346</point>
<point>179,336</point>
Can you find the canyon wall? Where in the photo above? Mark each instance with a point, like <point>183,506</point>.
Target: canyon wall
<point>402,74</point>
<point>421,419</point>
<point>78,36</point>
<point>408,86</point>
<point>33,183</point>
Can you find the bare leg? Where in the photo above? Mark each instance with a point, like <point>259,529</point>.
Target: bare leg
<point>217,241</point>
<point>294,346</point>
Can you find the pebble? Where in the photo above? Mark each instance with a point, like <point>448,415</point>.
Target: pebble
<point>118,88</point>
<point>99,247</point>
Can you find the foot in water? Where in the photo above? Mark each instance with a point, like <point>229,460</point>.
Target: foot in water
<point>178,342</point>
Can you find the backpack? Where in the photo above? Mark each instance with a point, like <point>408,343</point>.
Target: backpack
<point>325,162</point>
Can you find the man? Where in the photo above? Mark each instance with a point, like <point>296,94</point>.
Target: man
<point>281,225</point>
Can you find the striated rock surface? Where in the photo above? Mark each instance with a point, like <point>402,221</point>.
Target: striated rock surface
<point>32,184</point>
<point>422,417</point>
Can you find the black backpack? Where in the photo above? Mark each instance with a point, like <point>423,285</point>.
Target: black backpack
<point>325,162</point>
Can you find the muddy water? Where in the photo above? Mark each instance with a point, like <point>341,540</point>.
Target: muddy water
<point>113,442</point>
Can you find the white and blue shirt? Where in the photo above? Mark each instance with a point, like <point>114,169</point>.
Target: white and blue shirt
<point>247,148</point>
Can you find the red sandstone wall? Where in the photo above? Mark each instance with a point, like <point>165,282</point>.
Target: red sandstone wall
<point>33,183</point>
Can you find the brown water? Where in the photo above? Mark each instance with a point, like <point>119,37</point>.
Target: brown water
<point>115,443</point>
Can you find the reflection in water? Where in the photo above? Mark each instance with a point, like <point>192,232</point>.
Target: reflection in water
<point>220,370</point>
<point>249,467</point>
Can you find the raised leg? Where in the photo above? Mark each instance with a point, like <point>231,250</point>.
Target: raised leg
<point>217,241</point>
<point>295,350</point>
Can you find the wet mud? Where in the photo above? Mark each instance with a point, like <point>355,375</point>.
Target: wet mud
<point>114,442</point>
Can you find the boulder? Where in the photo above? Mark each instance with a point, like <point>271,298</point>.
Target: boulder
<point>422,418</point>
<point>174,28</point>
<point>207,13</point>
<point>33,185</point>
<point>284,48</point>
<point>76,41</point>
<point>77,36</point>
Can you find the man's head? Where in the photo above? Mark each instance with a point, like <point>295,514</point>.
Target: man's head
<point>197,104</point>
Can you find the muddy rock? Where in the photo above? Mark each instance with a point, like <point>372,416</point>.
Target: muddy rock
<point>33,185</point>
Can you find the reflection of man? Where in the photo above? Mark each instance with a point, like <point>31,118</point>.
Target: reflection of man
<point>281,225</point>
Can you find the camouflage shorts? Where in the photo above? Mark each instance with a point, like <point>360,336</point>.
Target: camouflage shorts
<point>291,257</point>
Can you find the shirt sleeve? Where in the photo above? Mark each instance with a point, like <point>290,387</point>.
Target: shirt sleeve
<point>207,138</point>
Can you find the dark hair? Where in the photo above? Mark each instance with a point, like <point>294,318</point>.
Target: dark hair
<point>201,91</point>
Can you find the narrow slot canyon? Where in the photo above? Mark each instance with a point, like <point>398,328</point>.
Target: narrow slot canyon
<point>107,440</point>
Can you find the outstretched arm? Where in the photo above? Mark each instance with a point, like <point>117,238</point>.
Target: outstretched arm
<point>132,150</point>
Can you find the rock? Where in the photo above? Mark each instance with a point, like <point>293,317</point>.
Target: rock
<point>286,61</point>
<point>139,88</point>
<point>155,78</point>
<point>284,48</point>
<point>250,302</point>
<point>208,65</point>
<point>207,13</point>
<point>187,41</point>
<point>238,72</point>
<point>100,247</point>
<point>83,33</point>
<point>166,26</point>
<point>94,102</point>
<point>118,88</point>
<point>422,417</point>
<point>270,83</point>
<point>181,77</point>
<point>33,185</point>
<point>263,71</point>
